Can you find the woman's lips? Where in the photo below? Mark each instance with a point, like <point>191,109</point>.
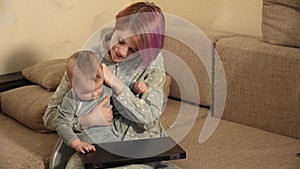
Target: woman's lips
<point>118,56</point>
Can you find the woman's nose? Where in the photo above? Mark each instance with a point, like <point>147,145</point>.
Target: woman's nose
<point>123,50</point>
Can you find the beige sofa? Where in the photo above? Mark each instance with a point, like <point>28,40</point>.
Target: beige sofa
<point>260,126</point>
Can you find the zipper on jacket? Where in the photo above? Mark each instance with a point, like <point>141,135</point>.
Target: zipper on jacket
<point>117,64</point>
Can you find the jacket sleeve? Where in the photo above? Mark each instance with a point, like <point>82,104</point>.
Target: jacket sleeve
<point>51,112</point>
<point>65,120</point>
<point>143,109</point>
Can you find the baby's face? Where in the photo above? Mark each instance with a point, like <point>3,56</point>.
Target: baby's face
<point>90,89</point>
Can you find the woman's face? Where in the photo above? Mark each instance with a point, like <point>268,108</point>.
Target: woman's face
<point>122,46</point>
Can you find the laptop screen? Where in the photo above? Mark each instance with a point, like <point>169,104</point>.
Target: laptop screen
<point>133,152</point>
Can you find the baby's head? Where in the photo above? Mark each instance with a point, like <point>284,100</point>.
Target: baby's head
<point>85,73</point>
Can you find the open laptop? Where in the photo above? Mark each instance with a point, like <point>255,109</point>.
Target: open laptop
<point>133,152</point>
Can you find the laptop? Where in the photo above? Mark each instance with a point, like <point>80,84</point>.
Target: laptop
<point>133,152</point>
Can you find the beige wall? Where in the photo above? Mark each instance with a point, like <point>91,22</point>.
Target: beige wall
<point>235,16</point>
<point>36,30</point>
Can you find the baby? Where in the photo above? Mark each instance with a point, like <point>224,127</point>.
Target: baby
<point>85,77</point>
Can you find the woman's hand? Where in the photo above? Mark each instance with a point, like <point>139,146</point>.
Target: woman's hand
<point>82,147</point>
<point>104,111</point>
<point>101,115</point>
<point>111,80</point>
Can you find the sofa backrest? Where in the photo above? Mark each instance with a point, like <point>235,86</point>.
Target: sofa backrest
<point>176,48</point>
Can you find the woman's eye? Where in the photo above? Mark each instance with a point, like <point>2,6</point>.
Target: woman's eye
<point>121,41</point>
<point>133,50</point>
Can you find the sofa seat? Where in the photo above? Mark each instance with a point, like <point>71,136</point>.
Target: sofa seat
<point>233,145</point>
<point>23,147</point>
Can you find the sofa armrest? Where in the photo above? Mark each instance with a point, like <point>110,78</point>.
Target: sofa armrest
<point>12,80</point>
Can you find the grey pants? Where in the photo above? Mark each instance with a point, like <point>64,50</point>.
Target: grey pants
<point>75,162</point>
<point>64,155</point>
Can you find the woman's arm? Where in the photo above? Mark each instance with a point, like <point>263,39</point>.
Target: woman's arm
<point>144,109</point>
<point>147,107</point>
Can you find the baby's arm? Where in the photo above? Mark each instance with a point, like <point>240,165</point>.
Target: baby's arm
<point>64,125</point>
<point>140,88</point>
<point>82,147</point>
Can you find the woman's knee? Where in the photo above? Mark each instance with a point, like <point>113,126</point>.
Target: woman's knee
<point>75,162</point>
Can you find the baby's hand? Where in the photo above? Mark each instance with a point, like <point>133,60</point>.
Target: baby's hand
<point>82,147</point>
<point>140,88</point>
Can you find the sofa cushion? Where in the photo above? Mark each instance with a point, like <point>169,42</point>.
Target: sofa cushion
<point>27,105</point>
<point>262,84</point>
<point>47,74</point>
<point>193,62</point>
<point>176,48</point>
<point>281,22</point>
<point>22,147</point>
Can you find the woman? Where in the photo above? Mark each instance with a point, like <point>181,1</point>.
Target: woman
<point>130,53</point>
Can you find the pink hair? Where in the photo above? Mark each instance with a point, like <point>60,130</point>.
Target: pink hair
<point>147,23</point>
